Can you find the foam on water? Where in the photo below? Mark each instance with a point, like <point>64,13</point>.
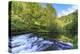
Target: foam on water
<point>29,43</point>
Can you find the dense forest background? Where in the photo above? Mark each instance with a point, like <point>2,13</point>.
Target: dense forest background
<point>41,20</point>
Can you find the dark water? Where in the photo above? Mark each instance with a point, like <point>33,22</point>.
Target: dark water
<point>29,43</point>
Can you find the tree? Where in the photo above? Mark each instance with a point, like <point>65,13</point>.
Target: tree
<point>32,17</point>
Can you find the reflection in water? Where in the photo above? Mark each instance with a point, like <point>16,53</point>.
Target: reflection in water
<point>30,43</point>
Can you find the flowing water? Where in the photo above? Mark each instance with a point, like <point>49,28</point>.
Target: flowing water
<point>31,43</point>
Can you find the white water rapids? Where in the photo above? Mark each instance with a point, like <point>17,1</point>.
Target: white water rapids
<point>29,43</point>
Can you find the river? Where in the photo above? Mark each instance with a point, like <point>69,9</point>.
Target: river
<point>31,43</point>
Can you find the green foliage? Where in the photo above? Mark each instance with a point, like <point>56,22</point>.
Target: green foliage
<point>31,17</point>
<point>71,23</point>
<point>70,28</point>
